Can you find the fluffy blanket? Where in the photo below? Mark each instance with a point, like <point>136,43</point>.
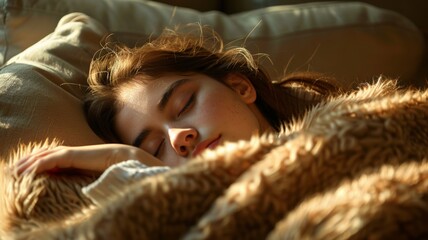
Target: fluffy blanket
<point>354,167</point>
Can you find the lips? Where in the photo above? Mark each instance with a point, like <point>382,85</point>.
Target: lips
<point>209,143</point>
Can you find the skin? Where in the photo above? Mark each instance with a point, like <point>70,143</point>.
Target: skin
<point>201,113</point>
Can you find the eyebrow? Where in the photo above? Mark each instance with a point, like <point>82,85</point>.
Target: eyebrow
<point>166,96</point>
<point>169,91</point>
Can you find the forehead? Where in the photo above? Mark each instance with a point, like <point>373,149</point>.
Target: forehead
<point>137,103</point>
<point>140,91</point>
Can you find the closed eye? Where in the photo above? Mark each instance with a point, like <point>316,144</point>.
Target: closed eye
<point>158,150</point>
<point>187,105</point>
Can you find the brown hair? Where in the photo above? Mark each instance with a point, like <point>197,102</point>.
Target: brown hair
<point>204,53</point>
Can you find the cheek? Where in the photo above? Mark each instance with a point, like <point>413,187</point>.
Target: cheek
<point>228,115</point>
<point>215,108</point>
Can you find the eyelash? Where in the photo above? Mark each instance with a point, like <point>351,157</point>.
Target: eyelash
<point>156,154</point>
<point>187,105</point>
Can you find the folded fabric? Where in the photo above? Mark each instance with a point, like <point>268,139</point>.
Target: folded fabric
<point>117,175</point>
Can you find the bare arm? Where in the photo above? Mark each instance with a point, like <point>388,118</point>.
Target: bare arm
<point>92,158</point>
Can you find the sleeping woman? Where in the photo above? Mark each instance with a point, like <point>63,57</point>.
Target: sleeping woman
<point>176,96</point>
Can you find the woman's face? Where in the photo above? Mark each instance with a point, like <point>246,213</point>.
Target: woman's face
<point>176,117</point>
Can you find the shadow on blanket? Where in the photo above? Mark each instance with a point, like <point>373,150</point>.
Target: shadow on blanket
<point>354,167</point>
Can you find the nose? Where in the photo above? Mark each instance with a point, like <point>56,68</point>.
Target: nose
<point>182,140</point>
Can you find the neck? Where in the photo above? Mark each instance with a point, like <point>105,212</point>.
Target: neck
<point>264,126</point>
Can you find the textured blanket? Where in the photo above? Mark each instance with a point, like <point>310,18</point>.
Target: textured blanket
<point>354,167</point>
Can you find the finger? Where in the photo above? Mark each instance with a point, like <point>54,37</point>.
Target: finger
<point>43,161</point>
<point>24,164</point>
<point>25,159</point>
<point>30,165</point>
<point>36,166</point>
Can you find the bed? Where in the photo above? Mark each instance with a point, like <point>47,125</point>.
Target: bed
<point>352,168</point>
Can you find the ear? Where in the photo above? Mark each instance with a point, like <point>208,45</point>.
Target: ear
<point>242,86</point>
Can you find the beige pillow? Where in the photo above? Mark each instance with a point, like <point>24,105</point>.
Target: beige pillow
<point>350,40</point>
<point>40,96</point>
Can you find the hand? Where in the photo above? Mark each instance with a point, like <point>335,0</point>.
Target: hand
<point>91,158</point>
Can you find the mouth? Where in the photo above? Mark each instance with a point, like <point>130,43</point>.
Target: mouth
<point>207,144</point>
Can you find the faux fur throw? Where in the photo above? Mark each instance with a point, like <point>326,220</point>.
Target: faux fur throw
<point>354,167</point>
